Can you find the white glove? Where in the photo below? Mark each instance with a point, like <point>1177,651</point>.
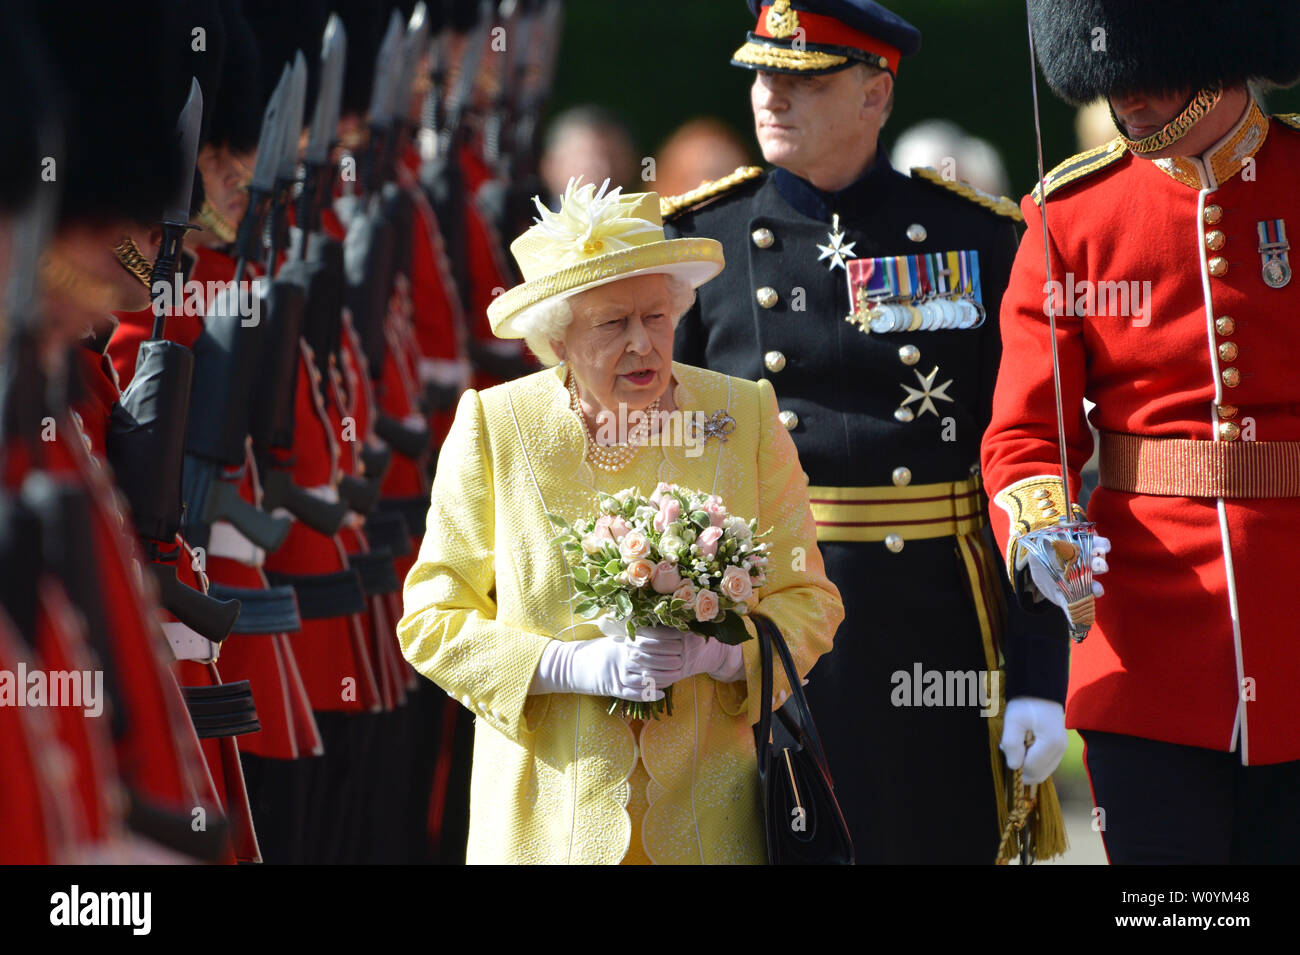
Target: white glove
<point>1046,720</point>
<point>680,654</point>
<point>1042,577</point>
<point>607,666</point>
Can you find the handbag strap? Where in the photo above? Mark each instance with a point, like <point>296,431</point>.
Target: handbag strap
<point>769,636</point>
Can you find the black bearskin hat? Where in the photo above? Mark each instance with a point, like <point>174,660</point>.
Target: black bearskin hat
<point>119,155</point>
<point>282,28</point>
<point>1093,48</point>
<point>202,54</point>
<point>22,67</point>
<point>237,113</point>
<point>365,22</point>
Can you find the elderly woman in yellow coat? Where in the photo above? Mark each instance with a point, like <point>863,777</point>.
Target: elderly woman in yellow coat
<point>557,777</point>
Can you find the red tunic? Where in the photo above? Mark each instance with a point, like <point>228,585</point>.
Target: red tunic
<point>1194,642</point>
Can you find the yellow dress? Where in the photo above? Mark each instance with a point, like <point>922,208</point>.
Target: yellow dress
<point>556,778</point>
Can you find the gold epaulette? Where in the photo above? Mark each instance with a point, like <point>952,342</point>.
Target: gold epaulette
<point>999,204</point>
<point>1290,119</point>
<point>670,206</point>
<point>1080,165</point>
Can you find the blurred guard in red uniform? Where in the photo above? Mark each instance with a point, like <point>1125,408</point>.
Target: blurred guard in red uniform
<point>117,167</point>
<point>1175,303</point>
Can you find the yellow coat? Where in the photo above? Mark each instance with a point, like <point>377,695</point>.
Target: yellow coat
<point>551,772</point>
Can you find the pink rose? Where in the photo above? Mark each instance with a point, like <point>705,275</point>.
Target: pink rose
<point>601,530</point>
<point>670,509</point>
<point>708,541</point>
<point>619,528</point>
<point>634,546</point>
<point>665,579</point>
<point>736,584</point>
<point>685,592</point>
<point>639,572</point>
<point>717,513</point>
<point>663,488</point>
<point>706,606</point>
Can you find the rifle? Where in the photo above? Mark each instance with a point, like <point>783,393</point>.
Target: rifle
<point>227,355</point>
<point>146,434</point>
<point>440,174</point>
<point>272,422</point>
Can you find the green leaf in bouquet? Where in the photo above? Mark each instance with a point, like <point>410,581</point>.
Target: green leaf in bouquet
<point>729,630</point>
<point>624,604</point>
<point>677,603</point>
<point>586,609</point>
<point>700,519</point>
<point>559,521</point>
<point>613,567</point>
<point>604,587</point>
<point>581,575</point>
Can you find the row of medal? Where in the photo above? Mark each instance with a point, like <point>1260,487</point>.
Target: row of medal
<point>906,293</point>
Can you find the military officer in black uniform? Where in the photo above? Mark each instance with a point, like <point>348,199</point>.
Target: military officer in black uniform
<point>870,300</point>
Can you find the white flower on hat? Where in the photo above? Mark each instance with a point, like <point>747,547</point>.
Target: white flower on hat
<point>591,221</point>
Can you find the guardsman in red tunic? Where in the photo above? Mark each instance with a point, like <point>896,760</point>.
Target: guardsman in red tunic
<point>1171,282</point>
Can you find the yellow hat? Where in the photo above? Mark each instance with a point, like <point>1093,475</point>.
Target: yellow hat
<point>595,238</point>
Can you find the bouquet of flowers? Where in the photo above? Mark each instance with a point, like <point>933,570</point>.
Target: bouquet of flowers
<point>675,559</point>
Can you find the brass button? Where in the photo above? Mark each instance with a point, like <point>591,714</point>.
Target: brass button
<point>774,361</point>
<point>1229,430</point>
<point>1228,411</point>
<point>789,419</point>
<point>1041,493</point>
<point>1218,266</point>
<point>1052,513</point>
<point>1213,214</point>
<point>903,414</point>
<point>1214,240</point>
<point>916,232</point>
<point>763,238</point>
<point>902,477</point>
<point>1231,377</point>
<point>767,296</point>
<point>1225,326</point>
<point>909,354</point>
<point>894,543</point>
<point>1044,504</point>
<point>1227,351</point>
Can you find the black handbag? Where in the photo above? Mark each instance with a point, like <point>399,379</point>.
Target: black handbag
<point>803,822</point>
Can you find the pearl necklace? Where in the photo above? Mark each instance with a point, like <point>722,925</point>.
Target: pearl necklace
<point>611,458</point>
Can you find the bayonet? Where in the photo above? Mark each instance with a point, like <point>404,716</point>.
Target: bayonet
<point>325,115</point>
<point>319,180</point>
<point>248,241</point>
<point>176,214</point>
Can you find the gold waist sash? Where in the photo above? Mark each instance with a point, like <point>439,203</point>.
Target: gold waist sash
<point>1180,467</point>
<point>915,512</point>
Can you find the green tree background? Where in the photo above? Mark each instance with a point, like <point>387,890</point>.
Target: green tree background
<point>660,64</point>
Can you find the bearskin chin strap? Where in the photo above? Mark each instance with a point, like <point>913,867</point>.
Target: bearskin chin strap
<point>133,260</point>
<point>1197,109</point>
